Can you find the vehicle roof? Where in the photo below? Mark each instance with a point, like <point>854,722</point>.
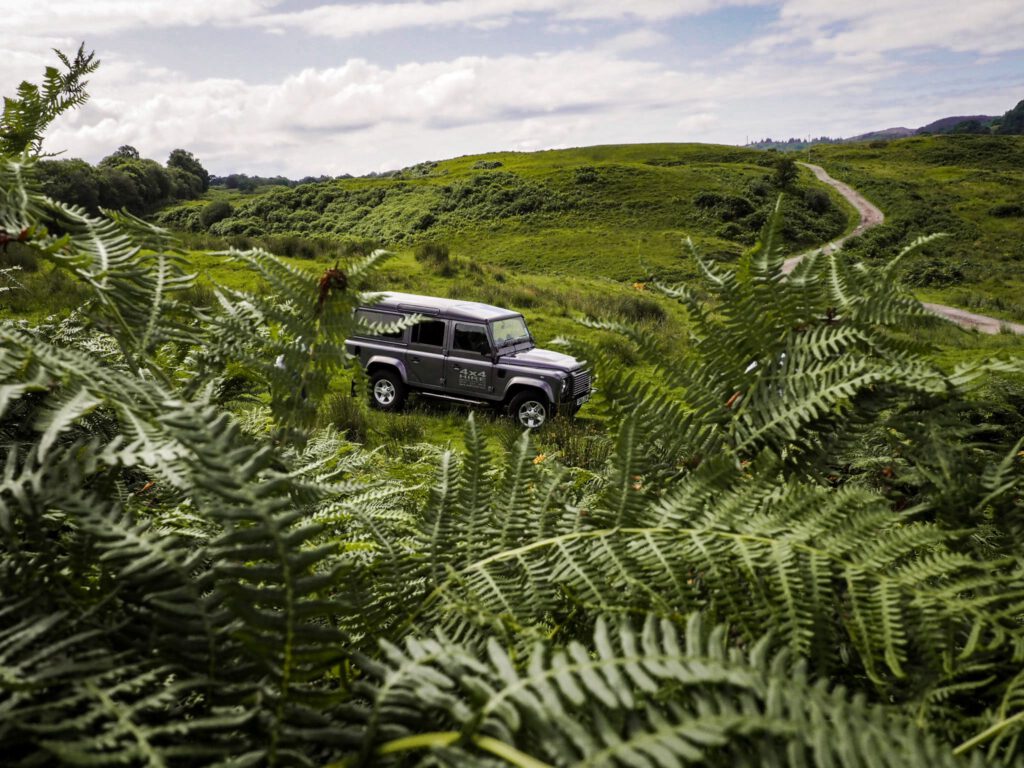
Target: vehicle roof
<point>432,305</point>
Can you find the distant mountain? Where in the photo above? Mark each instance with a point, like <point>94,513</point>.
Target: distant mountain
<point>1012,122</point>
<point>885,133</point>
<point>949,124</point>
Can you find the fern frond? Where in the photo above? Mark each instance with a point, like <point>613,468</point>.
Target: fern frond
<point>827,569</point>
<point>628,697</point>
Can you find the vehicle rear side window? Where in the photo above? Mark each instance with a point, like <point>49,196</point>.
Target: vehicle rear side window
<point>368,318</point>
<point>471,338</point>
<point>429,333</point>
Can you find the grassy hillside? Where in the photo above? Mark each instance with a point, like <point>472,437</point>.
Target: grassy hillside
<point>575,233</point>
<point>969,187</point>
<point>615,211</point>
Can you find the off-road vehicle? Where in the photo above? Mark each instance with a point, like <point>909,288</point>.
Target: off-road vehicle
<point>466,352</point>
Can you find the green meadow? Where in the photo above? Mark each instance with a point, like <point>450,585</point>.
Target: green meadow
<point>970,188</point>
<point>564,235</point>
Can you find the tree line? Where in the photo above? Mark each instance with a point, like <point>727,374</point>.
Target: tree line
<point>124,180</point>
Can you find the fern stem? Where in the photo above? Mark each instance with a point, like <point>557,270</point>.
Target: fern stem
<point>496,747</point>
<point>509,753</point>
<point>419,741</point>
<point>988,733</point>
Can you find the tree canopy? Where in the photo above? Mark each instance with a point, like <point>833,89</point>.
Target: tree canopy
<point>125,180</point>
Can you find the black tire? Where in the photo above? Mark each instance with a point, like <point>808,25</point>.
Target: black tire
<point>387,392</point>
<point>530,409</point>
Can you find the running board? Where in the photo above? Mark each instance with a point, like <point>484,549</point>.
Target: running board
<point>452,398</point>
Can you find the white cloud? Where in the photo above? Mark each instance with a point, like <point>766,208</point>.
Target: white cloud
<point>31,28</point>
<point>344,20</point>
<point>76,18</point>
<point>870,28</point>
<point>697,124</point>
<point>348,115</point>
<point>636,40</point>
<point>362,116</point>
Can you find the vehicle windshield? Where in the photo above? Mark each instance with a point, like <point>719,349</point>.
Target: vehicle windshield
<point>509,331</point>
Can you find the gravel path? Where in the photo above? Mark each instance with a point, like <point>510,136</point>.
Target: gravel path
<point>871,216</point>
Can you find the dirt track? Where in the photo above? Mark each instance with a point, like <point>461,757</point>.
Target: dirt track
<point>871,216</point>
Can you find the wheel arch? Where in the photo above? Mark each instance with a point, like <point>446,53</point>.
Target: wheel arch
<point>380,362</point>
<point>521,383</point>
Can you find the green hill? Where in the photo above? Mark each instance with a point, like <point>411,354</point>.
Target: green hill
<point>971,188</point>
<point>616,211</point>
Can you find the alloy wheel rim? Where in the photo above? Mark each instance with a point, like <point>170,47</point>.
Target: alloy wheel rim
<point>384,392</point>
<point>532,414</point>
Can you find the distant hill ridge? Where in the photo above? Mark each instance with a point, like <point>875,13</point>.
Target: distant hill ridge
<point>1010,123</point>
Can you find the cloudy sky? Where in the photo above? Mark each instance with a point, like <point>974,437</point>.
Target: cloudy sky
<point>304,87</point>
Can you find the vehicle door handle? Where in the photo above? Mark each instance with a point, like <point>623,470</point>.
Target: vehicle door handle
<point>456,368</point>
<point>415,359</point>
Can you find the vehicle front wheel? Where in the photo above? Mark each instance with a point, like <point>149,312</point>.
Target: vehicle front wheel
<point>387,392</point>
<point>530,409</point>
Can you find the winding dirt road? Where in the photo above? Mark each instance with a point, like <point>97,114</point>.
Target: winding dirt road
<point>871,216</point>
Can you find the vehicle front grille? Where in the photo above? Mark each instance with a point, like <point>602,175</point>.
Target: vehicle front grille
<point>580,383</point>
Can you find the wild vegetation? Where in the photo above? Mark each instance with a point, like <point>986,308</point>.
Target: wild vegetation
<point>967,187</point>
<point>124,180</point>
<point>618,210</point>
<point>798,542</point>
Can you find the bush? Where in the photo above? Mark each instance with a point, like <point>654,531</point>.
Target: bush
<point>1007,210</point>
<point>817,200</point>
<point>216,211</point>
<point>760,188</point>
<point>578,443</point>
<point>293,246</point>
<point>707,200</point>
<point>586,174</point>
<point>486,165</point>
<point>19,256</point>
<point>346,413</point>
<point>432,253</point>
<point>727,207</point>
<point>786,172</point>
<point>936,273</point>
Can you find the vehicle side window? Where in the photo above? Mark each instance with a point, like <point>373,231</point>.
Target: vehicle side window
<point>368,317</point>
<point>429,332</point>
<point>471,338</point>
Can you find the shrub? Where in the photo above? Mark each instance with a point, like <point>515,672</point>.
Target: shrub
<point>486,165</point>
<point>727,207</point>
<point>786,172</point>
<point>432,253</point>
<point>935,273</point>
<point>760,188</point>
<point>346,413</point>
<point>293,246</point>
<point>19,256</point>
<point>578,443</point>
<point>1007,210</point>
<point>586,174</point>
<point>218,210</point>
<point>707,200</point>
<point>817,200</point>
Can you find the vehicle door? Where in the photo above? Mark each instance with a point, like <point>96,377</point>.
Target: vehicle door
<point>469,370</point>
<point>424,357</point>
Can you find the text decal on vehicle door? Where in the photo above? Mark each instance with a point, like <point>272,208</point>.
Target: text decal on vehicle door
<point>473,379</point>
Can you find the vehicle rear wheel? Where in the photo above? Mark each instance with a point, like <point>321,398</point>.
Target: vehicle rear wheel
<point>387,392</point>
<point>530,409</point>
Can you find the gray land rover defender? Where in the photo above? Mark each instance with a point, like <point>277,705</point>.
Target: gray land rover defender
<point>466,352</point>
